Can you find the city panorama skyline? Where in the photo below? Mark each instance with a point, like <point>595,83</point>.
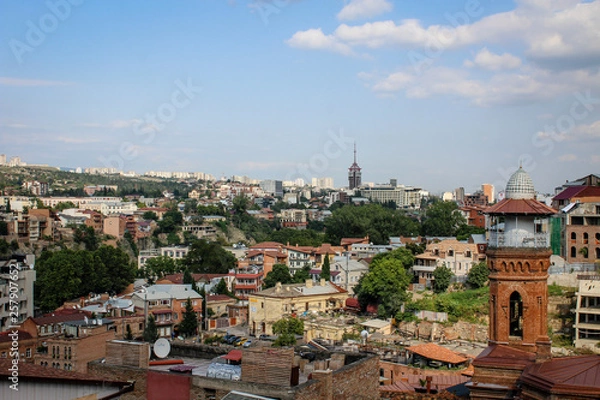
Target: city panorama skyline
<point>437,95</point>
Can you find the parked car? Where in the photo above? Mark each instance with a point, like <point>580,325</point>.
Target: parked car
<point>227,337</point>
<point>240,341</point>
<point>248,343</point>
<point>232,339</point>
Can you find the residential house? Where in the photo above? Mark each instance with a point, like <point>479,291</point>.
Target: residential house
<point>167,304</point>
<point>80,343</point>
<point>53,323</point>
<point>298,257</point>
<point>270,305</point>
<point>459,257</point>
<point>21,268</point>
<point>474,215</point>
<point>293,218</point>
<point>346,272</point>
<point>347,242</point>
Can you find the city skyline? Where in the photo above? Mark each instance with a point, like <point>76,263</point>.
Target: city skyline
<point>438,95</point>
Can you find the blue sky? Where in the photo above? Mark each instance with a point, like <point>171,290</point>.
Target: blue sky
<point>437,94</point>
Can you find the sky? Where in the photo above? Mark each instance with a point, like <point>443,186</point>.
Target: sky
<point>436,94</point>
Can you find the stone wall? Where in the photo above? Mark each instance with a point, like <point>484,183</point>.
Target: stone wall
<point>121,373</point>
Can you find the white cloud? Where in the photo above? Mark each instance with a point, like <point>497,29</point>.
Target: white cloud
<point>567,158</point>
<point>139,124</point>
<point>485,59</point>
<point>9,81</point>
<point>357,9</point>
<point>315,39</point>
<point>558,34</point>
<point>524,86</point>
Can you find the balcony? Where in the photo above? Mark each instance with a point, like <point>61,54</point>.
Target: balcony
<point>519,239</point>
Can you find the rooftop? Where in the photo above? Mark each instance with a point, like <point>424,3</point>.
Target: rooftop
<point>434,352</point>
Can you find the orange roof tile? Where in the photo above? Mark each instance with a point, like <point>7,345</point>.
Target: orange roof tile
<point>520,206</point>
<point>434,352</point>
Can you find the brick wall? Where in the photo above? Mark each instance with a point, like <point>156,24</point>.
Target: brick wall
<point>122,373</point>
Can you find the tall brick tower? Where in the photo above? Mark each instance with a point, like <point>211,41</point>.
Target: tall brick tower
<point>518,258</point>
<point>354,174</point>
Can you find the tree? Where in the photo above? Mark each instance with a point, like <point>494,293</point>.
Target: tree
<point>478,275</point>
<point>128,333</point>
<point>189,323</point>
<point>442,276</point>
<point>279,273</point>
<point>442,218</point>
<point>150,215</point>
<point>87,236</point>
<point>326,269</point>
<point>221,288</point>
<point>302,275</point>
<point>371,220</point>
<point>287,329</point>
<point>209,258</point>
<point>156,268</point>
<point>385,284</point>
<point>150,331</point>
<point>464,232</point>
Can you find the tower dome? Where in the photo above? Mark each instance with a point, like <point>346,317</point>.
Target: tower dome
<point>520,186</point>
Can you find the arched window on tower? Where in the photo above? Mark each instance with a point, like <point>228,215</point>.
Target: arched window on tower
<point>585,238</point>
<point>516,315</point>
<point>597,253</point>
<point>573,252</point>
<point>573,237</point>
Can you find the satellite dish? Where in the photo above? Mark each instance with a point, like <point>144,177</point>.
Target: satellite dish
<point>162,347</point>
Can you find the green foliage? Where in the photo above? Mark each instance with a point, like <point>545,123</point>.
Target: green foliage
<point>326,269</point>
<point>374,220</point>
<point>64,205</point>
<point>302,275</point>
<point>280,273</point>
<point>3,228</point>
<point>555,290</point>
<point>416,248</point>
<point>211,210</point>
<point>87,236</point>
<point>221,288</point>
<point>171,221</point>
<point>442,276</point>
<point>478,275</point>
<point>464,232</point>
<point>305,237</point>
<point>150,215</point>
<point>128,333</point>
<point>385,283</point>
<point>67,274</point>
<point>150,331</point>
<point>467,305</point>
<point>442,218</point>
<point>287,329</point>
<point>402,254</point>
<point>209,258</point>
<point>189,323</point>
<point>129,238</point>
<point>156,268</point>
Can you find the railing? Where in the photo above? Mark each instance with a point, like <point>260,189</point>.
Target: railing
<point>517,239</point>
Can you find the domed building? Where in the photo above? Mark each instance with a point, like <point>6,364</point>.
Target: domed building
<point>517,362</point>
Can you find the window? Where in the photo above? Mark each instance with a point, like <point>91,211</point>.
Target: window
<point>573,252</point>
<point>451,252</point>
<point>28,352</point>
<point>516,315</point>
<point>573,236</point>
<point>3,355</point>
<point>585,238</point>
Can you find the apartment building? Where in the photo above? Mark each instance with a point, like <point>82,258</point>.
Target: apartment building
<point>21,267</point>
<point>587,313</point>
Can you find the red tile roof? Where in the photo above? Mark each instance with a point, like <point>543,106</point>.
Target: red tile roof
<point>578,191</point>
<point>347,241</point>
<point>411,382</point>
<point>434,352</point>
<point>234,355</point>
<point>59,317</point>
<point>23,335</point>
<point>267,245</point>
<point>520,206</point>
<point>497,356</point>
<point>568,375</point>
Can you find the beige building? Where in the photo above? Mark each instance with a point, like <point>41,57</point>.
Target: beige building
<point>270,305</point>
<point>587,313</point>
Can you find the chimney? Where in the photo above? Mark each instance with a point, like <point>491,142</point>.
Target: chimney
<point>322,282</point>
<point>309,283</point>
<point>278,287</point>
